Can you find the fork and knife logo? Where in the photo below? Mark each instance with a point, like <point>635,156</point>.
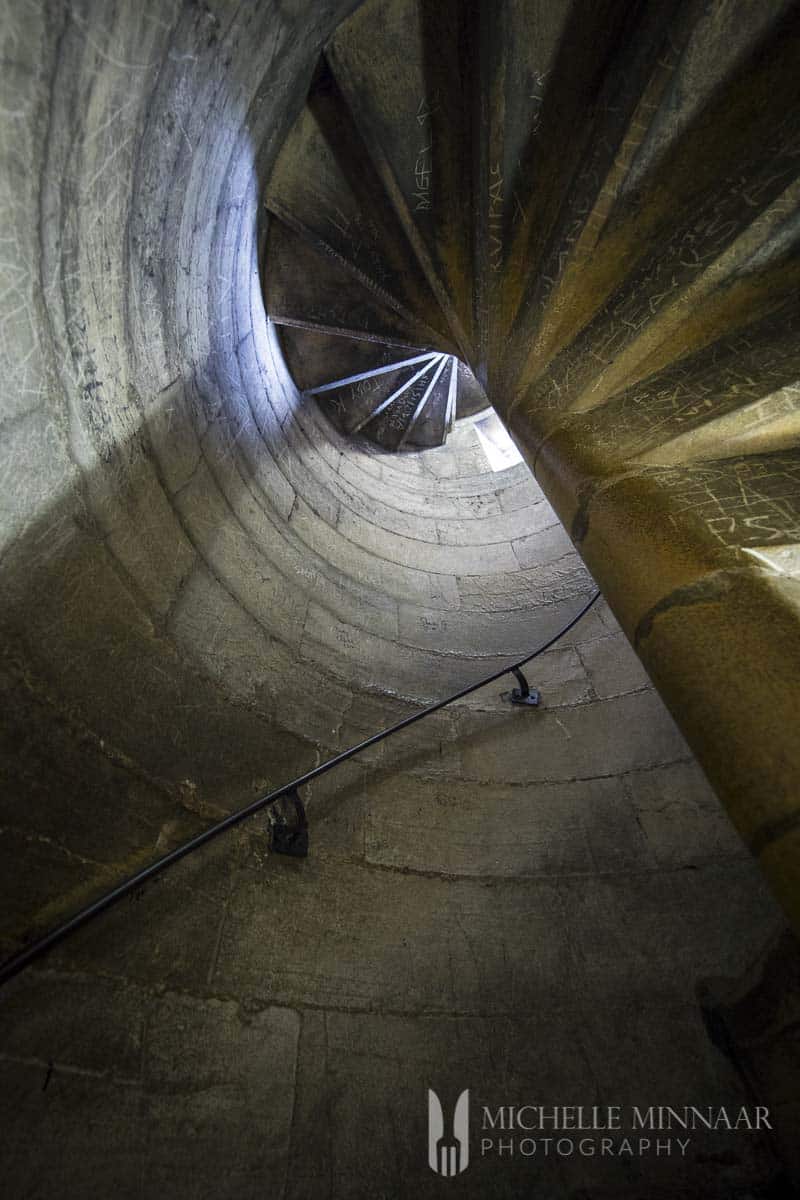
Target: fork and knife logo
<point>448,1156</point>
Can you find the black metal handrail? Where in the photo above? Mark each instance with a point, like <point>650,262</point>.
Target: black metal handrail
<point>22,959</point>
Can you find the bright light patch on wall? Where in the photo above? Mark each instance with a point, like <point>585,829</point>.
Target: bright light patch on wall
<point>783,560</point>
<point>500,451</point>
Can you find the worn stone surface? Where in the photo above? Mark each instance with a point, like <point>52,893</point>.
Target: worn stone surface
<point>206,590</point>
<point>459,828</point>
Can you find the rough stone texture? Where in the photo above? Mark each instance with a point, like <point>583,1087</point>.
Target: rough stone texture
<point>205,591</point>
<point>753,1020</point>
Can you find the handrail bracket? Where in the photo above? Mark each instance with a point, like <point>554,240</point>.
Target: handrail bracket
<point>524,694</point>
<point>291,839</point>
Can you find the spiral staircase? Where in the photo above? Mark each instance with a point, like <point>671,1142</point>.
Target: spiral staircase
<point>532,200</point>
<point>586,214</point>
<point>366,322</point>
<point>583,213</point>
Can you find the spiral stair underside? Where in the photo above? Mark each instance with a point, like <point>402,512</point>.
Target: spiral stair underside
<point>594,208</point>
<point>550,198</point>
<point>210,587</point>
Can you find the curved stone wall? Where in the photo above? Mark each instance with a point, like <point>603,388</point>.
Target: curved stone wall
<point>206,590</point>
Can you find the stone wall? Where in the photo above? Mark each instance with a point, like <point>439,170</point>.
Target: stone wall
<point>206,591</point>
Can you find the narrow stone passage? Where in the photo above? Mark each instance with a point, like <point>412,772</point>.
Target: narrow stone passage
<point>211,583</point>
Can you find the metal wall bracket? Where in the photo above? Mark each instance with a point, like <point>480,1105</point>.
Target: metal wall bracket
<point>291,839</point>
<point>524,694</point>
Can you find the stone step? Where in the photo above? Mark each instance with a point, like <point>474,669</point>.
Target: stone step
<point>411,90</point>
<point>309,287</point>
<point>323,185</point>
